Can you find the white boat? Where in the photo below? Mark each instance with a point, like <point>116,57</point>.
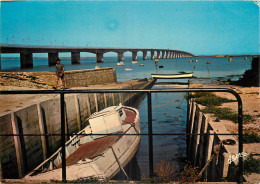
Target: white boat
<point>134,62</point>
<point>141,64</point>
<point>121,63</point>
<point>128,69</point>
<point>96,156</point>
<point>196,60</point>
<point>172,76</point>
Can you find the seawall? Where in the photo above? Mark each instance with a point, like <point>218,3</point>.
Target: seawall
<point>21,154</point>
<point>75,78</point>
<point>201,148</point>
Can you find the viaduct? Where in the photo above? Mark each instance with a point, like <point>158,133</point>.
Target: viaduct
<point>26,53</point>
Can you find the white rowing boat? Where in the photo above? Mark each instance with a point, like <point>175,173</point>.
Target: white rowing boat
<point>172,76</point>
<point>96,156</point>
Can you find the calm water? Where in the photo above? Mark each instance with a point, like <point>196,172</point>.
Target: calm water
<point>168,118</point>
<point>218,67</point>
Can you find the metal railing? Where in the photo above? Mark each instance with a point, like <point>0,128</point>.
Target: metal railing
<point>150,134</point>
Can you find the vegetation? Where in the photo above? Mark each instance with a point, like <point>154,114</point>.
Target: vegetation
<point>251,137</point>
<point>168,172</point>
<point>211,102</point>
<point>227,114</point>
<point>209,99</point>
<point>251,165</point>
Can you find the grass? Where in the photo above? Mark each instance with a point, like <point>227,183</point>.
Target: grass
<point>251,165</point>
<point>251,137</point>
<point>227,114</point>
<point>209,99</point>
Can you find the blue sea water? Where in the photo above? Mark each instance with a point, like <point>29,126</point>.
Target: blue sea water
<point>218,67</point>
<point>166,117</point>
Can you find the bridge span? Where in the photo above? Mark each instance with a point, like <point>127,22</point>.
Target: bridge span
<point>26,53</point>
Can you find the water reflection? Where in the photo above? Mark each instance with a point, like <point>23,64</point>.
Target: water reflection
<point>168,116</point>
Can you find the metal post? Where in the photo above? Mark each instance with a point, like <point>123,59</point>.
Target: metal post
<point>62,117</point>
<point>240,137</point>
<point>150,134</point>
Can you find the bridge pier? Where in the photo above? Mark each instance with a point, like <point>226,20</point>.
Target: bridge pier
<point>100,57</point>
<point>152,54</point>
<point>158,54</point>
<point>52,57</point>
<point>144,56</point>
<point>120,56</point>
<point>163,55</point>
<point>134,56</point>
<point>75,57</point>
<point>167,54</point>
<point>171,54</point>
<point>26,60</point>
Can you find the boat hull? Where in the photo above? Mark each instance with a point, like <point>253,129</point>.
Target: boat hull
<point>105,165</point>
<point>172,76</point>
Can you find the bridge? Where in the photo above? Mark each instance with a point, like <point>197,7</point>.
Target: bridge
<point>26,53</point>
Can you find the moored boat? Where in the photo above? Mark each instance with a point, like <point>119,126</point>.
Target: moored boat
<point>93,154</point>
<point>121,63</point>
<point>172,76</point>
<point>134,62</point>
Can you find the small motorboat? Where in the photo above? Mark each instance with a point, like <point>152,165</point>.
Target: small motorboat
<point>172,76</point>
<point>160,66</point>
<point>196,60</point>
<point>190,61</point>
<point>121,63</point>
<point>128,69</point>
<point>134,62</point>
<point>90,155</point>
<point>245,58</point>
<point>230,59</point>
<point>208,62</point>
<point>141,64</point>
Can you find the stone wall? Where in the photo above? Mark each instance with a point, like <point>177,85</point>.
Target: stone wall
<point>75,78</point>
<point>20,154</point>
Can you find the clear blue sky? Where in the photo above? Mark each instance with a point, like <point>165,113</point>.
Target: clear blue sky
<point>198,27</point>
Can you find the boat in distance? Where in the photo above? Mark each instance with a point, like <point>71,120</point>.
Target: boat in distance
<point>172,76</point>
<point>91,153</point>
<point>121,63</point>
<point>134,62</point>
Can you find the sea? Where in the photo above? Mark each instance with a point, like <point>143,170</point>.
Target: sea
<point>169,112</point>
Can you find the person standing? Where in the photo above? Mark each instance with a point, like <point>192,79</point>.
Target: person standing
<point>59,73</point>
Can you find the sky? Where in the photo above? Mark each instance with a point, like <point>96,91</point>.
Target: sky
<point>197,27</point>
